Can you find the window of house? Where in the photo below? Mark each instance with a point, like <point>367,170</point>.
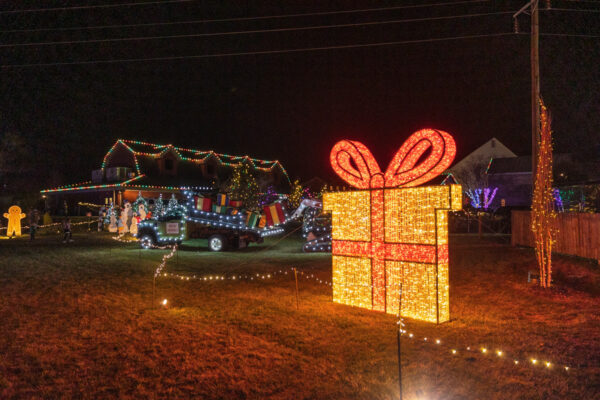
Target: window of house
<point>168,164</point>
<point>210,169</point>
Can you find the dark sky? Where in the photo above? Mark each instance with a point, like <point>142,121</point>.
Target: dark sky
<point>295,106</point>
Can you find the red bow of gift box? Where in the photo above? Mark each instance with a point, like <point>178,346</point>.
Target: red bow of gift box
<point>393,236</point>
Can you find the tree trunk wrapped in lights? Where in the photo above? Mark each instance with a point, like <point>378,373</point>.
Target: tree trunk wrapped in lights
<point>542,210</point>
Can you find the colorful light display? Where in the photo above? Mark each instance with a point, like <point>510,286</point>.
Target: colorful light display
<point>14,217</point>
<point>386,236</point>
<point>542,210</point>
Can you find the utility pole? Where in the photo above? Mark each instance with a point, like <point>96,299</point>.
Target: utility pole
<point>533,7</point>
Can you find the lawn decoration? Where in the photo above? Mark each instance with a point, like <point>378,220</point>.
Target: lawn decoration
<point>14,217</point>
<point>173,206</point>
<point>391,232</point>
<point>159,207</point>
<point>542,210</point>
<point>203,203</point>
<point>133,228</point>
<point>126,214</point>
<point>274,214</point>
<point>112,227</point>
<point>140,207</point>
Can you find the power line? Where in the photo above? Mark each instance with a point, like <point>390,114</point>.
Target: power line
<point>231,33</point>
<point>572,9</point>
<point>259,17</point>
<point>584,1</point>
<point>264,52</point>
<point>570,35</point>
<point>34,10</point>
<point>204,21</point>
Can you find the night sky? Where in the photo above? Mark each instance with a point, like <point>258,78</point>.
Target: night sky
<point>294,106</point>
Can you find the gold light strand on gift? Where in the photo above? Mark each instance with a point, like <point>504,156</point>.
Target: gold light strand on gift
<point>416,230</point>
<point>542,210</point>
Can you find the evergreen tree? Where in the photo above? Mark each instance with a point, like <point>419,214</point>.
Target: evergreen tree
<point>173,207</point>
<point>139,201</point>
<point>295,196</point>
<point>159,207</point>
<point>243,186</point>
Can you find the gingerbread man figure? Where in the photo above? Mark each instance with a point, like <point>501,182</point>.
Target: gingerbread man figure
<point>14,217</point>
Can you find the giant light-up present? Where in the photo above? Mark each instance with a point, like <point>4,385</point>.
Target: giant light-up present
<point>391,232</point>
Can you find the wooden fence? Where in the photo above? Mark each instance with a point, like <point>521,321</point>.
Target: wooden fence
<point>578,234</point>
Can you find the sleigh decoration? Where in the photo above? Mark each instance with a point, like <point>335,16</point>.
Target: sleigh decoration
<point>390,233</point>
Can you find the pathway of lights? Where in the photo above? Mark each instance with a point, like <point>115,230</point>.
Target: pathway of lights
<point>164,260</point>
<point>49,225</point>
<point>496,354</point>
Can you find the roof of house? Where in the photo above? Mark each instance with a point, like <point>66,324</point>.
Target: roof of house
<point>490,149</point>
<point>522,164</point>
<point>150,151</point>
<point>510,165</point>
<point>147,176</point>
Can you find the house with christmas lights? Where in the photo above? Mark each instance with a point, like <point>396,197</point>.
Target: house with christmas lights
<point>575,180</point>
<point>472,173</point>
<point>130,167</point>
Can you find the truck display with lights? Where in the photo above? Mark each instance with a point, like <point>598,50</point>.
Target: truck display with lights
<point>225,227</point>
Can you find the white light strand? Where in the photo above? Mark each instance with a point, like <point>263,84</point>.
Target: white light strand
<point>49,225</point>
<point>247,276</point>
<point>163,263</point>
<point>497,355</point>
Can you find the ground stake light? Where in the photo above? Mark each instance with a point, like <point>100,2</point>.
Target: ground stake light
<point>392,233</point>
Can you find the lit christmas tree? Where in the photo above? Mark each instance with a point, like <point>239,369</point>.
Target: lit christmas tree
<point>296,196</point>
<point>542,209</point>
<point>159,207</point>
<point>243,187</point>
<point>140,201</point>
<point>173,207</point>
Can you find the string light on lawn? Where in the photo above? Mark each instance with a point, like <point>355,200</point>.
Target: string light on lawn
<point>246,276</point>
<point>482,350</point>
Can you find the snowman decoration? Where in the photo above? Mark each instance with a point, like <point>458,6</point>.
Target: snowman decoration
<point>125,213</point>
<point>142,212</point>
<point>112,227</point>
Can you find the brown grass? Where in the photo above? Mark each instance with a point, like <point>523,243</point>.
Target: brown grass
<point>77,322</point>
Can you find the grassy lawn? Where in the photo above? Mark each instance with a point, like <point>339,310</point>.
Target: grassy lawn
<point>76,321</point>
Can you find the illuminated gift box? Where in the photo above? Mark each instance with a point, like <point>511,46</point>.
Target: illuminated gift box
<point>203,203</point>
<point>222,200</point>
<point>393,235</point>
<point>235,203</point>
<point>274,214</point>
<point>252,218</point>
<point>219,209</point>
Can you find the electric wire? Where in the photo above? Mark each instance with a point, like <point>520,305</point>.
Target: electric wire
<point>569,35</point>
<point>253,18</point>
<point>571,9</point>
<point>255,31</point>
<point>263,52</point>
<point>191,22</point>
<point>145,3</point>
